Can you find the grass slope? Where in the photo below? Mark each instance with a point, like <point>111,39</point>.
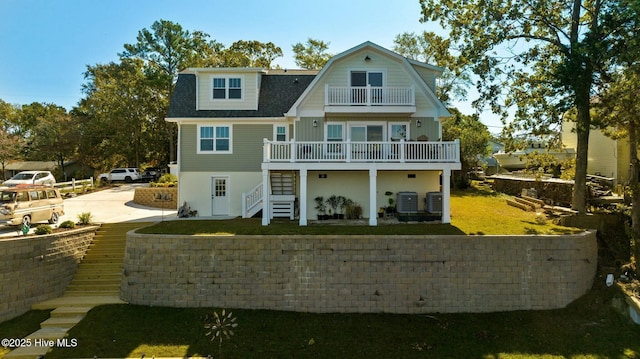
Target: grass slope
<point>588,328</point>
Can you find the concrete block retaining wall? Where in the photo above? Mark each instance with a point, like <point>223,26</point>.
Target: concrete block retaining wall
<point>399,274</point>
<point>159,197</point>
<point>38,268</point>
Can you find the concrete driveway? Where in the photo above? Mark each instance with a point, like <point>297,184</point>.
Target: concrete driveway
<point>114,205</point>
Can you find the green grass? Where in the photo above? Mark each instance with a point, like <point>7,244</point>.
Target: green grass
<point>21,326</point>
<point>588,328</point>
<point>473,211</point>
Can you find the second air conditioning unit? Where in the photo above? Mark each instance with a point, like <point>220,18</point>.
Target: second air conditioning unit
<point>434,202</point>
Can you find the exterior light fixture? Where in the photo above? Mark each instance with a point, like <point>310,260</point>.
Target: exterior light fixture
<point>367,58</point>
<point>418,123</point>
<point>315,123</point>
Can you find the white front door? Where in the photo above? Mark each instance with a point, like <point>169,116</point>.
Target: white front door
<point>219,196</point>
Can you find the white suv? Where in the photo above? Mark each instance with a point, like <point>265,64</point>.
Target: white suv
<point>121,174</point>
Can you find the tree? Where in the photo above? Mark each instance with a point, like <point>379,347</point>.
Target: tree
<point>435,50</point>
<point>542,57</point>
<point>474,141</point>
<point>122,115</point>
<point>618,110</point>
<point>10,144</point>
<point>312,55</point>
<point>168,49</point>
<point>251,54</point>
<point>55,137</point>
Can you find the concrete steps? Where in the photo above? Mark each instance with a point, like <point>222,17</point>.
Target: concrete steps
<point>96,282</point>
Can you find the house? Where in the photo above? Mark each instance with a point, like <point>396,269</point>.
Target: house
<point>606,156</point>
<point>365,125</point>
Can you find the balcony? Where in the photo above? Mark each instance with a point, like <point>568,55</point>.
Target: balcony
<point>354,152</point>
<point>369,99</point>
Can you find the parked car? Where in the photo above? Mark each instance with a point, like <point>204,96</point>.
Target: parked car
<point>31,178</point>
<point>121,174</point>
<point>30,204</point>
<point>152,174</point>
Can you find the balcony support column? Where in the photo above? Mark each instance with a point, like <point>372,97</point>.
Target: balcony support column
<point>446,193</point>
<point>373,213</point>
<point>303,197</point>
<point>266,198</point>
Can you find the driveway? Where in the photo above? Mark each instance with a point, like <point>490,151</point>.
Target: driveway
<point>112,205</point>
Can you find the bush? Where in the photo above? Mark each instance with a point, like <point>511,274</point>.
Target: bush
<point>166,180</point>
<point>85,218</point>
<point>68,224</point>
<point>44,229</point>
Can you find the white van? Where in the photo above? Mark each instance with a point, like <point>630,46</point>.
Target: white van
<point>30,204</point>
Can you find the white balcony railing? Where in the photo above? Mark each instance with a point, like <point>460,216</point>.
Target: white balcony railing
<point>347,151</point>
<point>369,96</point>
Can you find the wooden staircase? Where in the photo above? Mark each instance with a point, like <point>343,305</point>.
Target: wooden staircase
<point>96,282</point>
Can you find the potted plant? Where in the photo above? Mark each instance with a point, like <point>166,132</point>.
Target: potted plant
<point>333,203</point>
<point>353,210</point>
<point>321,208</point>
<point>342,203</point>
<point>391,208</point>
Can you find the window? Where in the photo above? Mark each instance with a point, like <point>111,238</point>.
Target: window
<point>398,131</point>
<point>280,133</point>
<point>214,139</point>
<point>227,88</point>
<point>334,132</point>
<point>219,88</point>
<point>364,78</point>
<point>235,88</point>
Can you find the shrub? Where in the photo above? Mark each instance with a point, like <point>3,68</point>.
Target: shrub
<point>43,229</point>
<point>68,224</point>
<point>85,218</point>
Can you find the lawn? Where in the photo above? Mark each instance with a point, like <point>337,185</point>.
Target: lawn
<point>588,328</point>
<point>473,211</point>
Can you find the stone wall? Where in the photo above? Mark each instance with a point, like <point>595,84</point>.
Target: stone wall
<point>159,197</point>
<point>38,268</point>
<point>399,274</point>
<point>552,191</point>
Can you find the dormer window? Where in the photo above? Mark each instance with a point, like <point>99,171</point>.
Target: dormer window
<point>227,88</point>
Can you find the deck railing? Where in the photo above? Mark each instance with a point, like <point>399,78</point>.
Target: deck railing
<point>369,96</point>
<point>348,151</point>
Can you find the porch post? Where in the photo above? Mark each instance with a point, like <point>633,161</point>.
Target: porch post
<point>303,197</point>
<point>446,193</point>
<point>265,198</point>
<point>373,212</point>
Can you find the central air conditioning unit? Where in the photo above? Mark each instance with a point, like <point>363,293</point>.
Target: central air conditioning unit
<point>407,202</point>
<point>434,202</point>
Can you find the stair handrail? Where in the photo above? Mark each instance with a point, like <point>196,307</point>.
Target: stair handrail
<point>251,200</point>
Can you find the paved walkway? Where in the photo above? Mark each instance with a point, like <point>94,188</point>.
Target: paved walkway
<point>97,280</point>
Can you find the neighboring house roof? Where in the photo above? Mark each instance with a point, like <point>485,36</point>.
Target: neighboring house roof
<point>407,63</point>
<point>277,93</point>
<point>31,166</point>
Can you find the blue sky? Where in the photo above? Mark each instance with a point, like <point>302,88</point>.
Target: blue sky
<point>47,44</point>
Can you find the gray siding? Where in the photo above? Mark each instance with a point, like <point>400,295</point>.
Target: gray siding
<point>306,132</point>
<point>246,156</point>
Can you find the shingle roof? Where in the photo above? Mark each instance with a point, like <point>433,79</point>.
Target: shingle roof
<point>277,94</point>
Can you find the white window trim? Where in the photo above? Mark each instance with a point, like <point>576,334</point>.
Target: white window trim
<point>275,132</point>
<point>200,151</point>
<point>365,124</point>
<point>407,126</point>
<point>226,88</point>
<point>326,130</point>
<point>368,70</point>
